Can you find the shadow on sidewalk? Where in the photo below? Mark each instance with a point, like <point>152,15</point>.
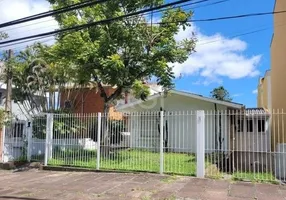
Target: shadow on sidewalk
<point>21,198</point>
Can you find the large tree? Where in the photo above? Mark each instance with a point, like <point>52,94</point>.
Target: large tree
<point>122,53</point>
<point>220,93</point>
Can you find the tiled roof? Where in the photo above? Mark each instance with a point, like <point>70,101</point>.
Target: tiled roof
<point>256,111</point>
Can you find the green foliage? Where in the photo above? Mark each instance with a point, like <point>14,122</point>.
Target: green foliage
<point>3,35</point>
<point>35,75</point>
<point>31,75</point>
<point>2,117</point>
<point>122,53</point>
<point>220,93</point>
<point>116,128</point>
<point>64,126</point>
<point>140,90</point>
<point>257,177</point>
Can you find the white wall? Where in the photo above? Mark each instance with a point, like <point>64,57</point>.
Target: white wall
<point>181,117</point>
<point>13,146</point>
<point>280,161</point>
<point>254,141</point>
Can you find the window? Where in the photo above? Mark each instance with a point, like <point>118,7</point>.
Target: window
<point>18,129</point>
<point>249,125</point>
<point>261,125</point>
<point>240,125</point>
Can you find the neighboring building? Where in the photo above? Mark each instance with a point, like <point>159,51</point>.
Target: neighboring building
<point>88,100</point>
<point>181,108</point>
<point>278,59</point>
<point>271,92</point>
<point>264,92</point>
<point>84,100</point>
<point>231,129</point>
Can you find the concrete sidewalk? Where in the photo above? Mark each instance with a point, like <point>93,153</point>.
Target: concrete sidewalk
<point>36,185</point>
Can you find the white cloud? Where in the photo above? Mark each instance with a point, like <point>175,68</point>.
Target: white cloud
<point>216,57</point>
<point>237,95</point>
<point>15,9</point>
<point>254,91</point>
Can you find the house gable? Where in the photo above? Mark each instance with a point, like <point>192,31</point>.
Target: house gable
<point>178,100</point>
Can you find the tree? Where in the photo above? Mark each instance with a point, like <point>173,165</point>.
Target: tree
<point>34,80</point>
<point>220,93</point>
<point>122,53</point>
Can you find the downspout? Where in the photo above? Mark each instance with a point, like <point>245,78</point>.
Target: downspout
<point>216,146</point>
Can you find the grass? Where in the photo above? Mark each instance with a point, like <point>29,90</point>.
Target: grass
<point>254,177</point>
<point>147,161</point>
<point>128,160</point>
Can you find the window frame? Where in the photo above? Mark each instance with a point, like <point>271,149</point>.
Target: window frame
<point>249,125</point>
<point>259,126</point>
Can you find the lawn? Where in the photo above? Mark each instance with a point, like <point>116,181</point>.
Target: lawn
<point>142,160</point>
<point>254,177</point>
<point>128,160</point>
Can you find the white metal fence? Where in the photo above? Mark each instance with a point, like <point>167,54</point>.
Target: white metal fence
<point>246,145</point>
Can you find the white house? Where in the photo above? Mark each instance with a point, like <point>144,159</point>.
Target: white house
<point>179,121</point>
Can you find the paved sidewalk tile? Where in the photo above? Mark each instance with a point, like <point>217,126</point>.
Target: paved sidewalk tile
<point>40,185</point>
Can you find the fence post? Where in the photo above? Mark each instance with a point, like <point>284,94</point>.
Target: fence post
<point>3,144</point>
<point>49,137</point>
<point>200,143</point>
<point>161,142</point>
<point>98,140</point>
<point>29,140</point>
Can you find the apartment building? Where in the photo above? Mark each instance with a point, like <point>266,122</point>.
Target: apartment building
<point>264,92</point>
<point>271,91</point>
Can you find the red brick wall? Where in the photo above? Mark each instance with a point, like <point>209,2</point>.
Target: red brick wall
<point>85,100</point>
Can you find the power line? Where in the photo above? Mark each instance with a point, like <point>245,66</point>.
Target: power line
<point>237,16</point>
<point>184,5</point>
<point>195,7</point>
<point>179,6</point>
<point>10,29</point>
<point>80,27</point>
<point>235,35</point>
<point>53,12</point>
<point>27,41</point>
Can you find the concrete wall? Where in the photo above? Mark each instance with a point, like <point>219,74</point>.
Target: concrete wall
<point>264,91</point>
<point>278,69</point>
<point>253,141</point>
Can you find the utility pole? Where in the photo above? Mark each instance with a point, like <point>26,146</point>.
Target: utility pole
<point>8,104</point>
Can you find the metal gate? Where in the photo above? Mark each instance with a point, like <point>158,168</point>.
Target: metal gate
<point>14,143</point>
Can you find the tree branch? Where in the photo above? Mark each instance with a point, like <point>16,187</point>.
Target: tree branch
<point>115,94</point>
<point>101,88</point>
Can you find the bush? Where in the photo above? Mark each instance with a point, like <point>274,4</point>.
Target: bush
<point>2,117</point>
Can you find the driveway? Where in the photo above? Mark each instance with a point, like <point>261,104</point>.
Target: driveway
<point>36,185</point>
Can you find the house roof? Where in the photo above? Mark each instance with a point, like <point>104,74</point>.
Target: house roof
<point>256,111</point>
<point>186,94</point>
